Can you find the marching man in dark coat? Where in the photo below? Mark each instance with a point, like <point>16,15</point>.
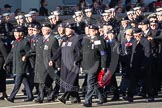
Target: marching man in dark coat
<point>3,56</point>
<point>140,60</point>
<point>94,59</point>
<point>19,48</point>
<point>70,57</point>
<point>45,48</point>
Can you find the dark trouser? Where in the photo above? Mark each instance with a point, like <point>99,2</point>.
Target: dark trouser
<point>92,88</point>
<point>55,92</point>
<point>114,86</point>
<point>148,82</point>
<point>84,85</point>
<point>31,80</point>
<point>41,91</point>
<point>21,78</point>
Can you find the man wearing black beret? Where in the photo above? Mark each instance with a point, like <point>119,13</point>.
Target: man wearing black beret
<point>70,64</point>
<point>94,59</point>
<point>46,46</point>
<point>140,60</point>
<point>19,48</point>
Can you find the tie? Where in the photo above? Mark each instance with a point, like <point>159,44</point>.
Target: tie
<point>44,39</point>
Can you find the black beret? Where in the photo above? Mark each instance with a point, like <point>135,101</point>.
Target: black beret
<point>30,25</point>
<point>93,27</point>
<point>106,24</point>
<point>125,19</point>
<point>71,26</point>
<point>145,22</point>
<point>18,29</point>
<point>61,25</point>
<point>137,30</point>
<point>134,21</point>
<point>154,21</point>
<point>46,25</point>
<point>36,26</point>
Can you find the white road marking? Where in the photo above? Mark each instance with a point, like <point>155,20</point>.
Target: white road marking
<point>21,106</point>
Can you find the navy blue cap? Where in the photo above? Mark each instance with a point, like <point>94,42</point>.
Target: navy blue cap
<point>93,27</point>
<point>18,29</point>
<point>137,30</point>
<point>125,19</point>
<point>70,25</point>
<point>145,22</point>
<point>61,25</point>
<point>30,25</point>
<point>106,23</point>
<point>46,25</point>
<point>36,26</point>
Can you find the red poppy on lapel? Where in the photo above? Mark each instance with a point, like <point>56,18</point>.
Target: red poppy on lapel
<point>128,44</point>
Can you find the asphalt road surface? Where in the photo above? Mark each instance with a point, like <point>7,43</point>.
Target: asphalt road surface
<point>138,102</point>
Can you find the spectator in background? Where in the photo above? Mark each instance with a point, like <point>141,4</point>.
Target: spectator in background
<point>158,3</point>
<point>96,8</point>
<point>82,5</point>
<point>17,11</point>
<point>152,6</point>
<point>7,8</point>
<point>43,11</point>
<point>59,9</point>
<point>120,10</point>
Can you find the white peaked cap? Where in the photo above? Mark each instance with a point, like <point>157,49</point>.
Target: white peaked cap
<point>55,13</point>
<point>105,14</point>
<point>136,8</point>
<point>159,9</point>
<point>107,11</point>
<point>130,12</point>
<point>88,10</point>
<point>51,16</point>
<point>28,15</point>
<point>78,13</point>
<point>5,14</point>
<point>158,13</point>
<point>32,12</point>
<point>112,9</point>
<point>19,17</point>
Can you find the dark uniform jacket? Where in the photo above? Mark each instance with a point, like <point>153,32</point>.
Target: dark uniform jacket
<point>70,57</point>
<point>19,49</point>
<point>94,54</point>
<point>44,51</point>
<point>140,54</point>
<point>3,56</point>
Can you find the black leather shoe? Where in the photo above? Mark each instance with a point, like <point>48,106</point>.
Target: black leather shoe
<point>150,100</point>
<point>38,101</point>
<point>115,98</point>
<point>50,100</point>
<point>87,105</point>
<point>62,100</point>
<point>129,99</point>
<point>2,98</point>
<point>27,100</point>
<point>101,102</point>
<point>10,100</point>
